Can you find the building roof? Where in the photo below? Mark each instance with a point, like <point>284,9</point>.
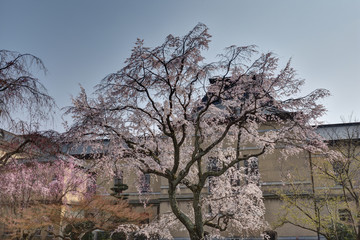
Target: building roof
<point>339,131</point>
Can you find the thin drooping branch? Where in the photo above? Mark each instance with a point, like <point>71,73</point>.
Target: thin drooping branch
<point>20,90</point>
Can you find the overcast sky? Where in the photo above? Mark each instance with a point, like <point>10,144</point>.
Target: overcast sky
<point>82,41</point>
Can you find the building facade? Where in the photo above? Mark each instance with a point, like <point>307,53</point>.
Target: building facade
<point>303,194</point>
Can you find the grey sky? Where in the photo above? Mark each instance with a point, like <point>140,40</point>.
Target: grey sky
<point>82,41</point>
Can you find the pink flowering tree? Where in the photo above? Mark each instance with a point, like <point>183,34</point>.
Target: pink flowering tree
<point>36,194</point>
<point>170,114</point>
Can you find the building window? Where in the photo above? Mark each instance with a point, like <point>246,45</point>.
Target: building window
<point>338,168</point>
<point>213,166</point>
<point>236,180</point>
<point>252,170</point>
<point>91,184</point>
<point>145,183</point>
<point>345,215</point>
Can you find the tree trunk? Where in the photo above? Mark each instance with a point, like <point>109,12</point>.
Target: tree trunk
<point>178,213</point>
<point>196,237</point>
<point>316,210</point>
<point>199,228</point>
<point>195,229</point>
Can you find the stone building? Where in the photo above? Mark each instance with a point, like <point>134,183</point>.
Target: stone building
<point>317,184</point>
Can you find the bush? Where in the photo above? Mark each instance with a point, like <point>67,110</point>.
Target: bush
<point>341,232</point>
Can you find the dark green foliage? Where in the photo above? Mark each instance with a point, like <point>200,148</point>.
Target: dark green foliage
<point>341,232</point>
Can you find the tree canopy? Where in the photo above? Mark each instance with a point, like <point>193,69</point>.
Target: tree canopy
<point>164,117</point>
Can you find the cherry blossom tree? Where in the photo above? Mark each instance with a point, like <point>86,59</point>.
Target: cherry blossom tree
<point>24,104</point>
<point>57,195</point>
<point>20,90</point>
<point>28,188</point>
<point>164,118</point>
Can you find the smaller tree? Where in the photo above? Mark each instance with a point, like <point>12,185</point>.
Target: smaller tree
<point>74,221</point>
<point>317,212</point>
<point>341,231</point>
<point>24,104</point>
<point>28,185</point>
<point>344,170</point>
<point>20,91</point>
<point>331,206</point>
<point>59,198</point>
